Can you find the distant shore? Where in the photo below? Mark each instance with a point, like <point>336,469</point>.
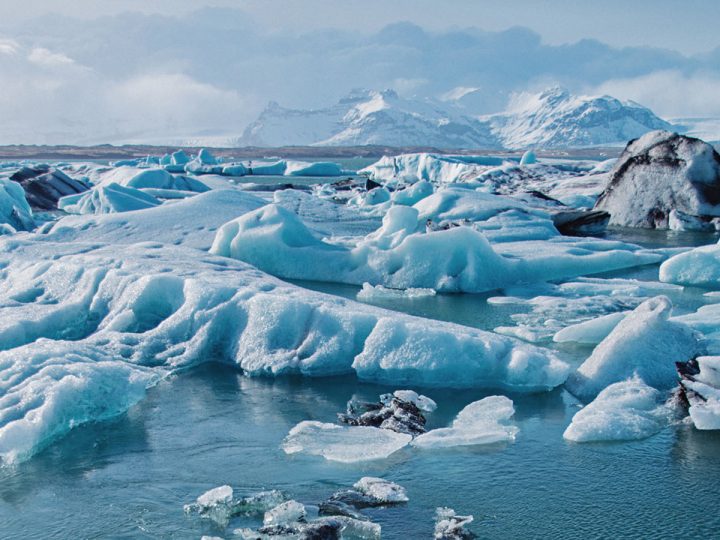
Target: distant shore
<point>111,152</point>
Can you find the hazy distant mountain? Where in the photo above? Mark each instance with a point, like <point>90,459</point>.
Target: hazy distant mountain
<point>551,119</point>
<point>371,117</point>
<point>557,119</point>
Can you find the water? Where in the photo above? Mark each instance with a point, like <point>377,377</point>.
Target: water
<point>211,426</point>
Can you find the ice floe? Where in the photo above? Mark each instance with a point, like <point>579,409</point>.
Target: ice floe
<point>623,411</point>
<point>107,199</point>
<point>481,422</point>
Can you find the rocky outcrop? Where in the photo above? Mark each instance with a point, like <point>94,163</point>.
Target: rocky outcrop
<point>664,180</point>
<point>44,186</point>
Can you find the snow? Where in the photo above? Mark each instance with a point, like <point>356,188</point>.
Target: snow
<point>481,422</point>
<point>699,267</point>
<point>423,403</point>
<point>383,491</point>
<point>345,444</point>
<point>107,199</point>
<point>14,208</point>
<point>68,308</point>
<point>647,343</point>
<point>659,173</point>
<point>400,256</point>
<point>623,411</point>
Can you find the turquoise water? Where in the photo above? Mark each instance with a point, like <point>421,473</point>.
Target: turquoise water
<point>211,426</point>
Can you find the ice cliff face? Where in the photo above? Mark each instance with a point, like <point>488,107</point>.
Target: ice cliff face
<point>553,118</point>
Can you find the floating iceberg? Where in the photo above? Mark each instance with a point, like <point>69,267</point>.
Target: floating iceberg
<point>44,185</point>
<point>699,267</point>
<point>107,199</point>
<point>646,343</point>
<point>151,178</point>
<point>318,168</point>
<point>450,526</point>
<point>623,411</point>
<point>401,256</point>
<point>346,444</point>
<point>661,172</point>
<point>481,422</point>
<point>590,332</point>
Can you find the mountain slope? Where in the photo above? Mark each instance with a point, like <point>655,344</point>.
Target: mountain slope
<point>370,117</point>
<point>557,119</point>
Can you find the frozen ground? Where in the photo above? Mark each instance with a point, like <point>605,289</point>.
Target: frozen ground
<point>149,350</point>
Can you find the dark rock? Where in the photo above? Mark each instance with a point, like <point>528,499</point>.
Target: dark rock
<point>582,222</point>
<point>338,507</point>
<point>390,413</point>
<point>44,186</point>
<point>371,184</point>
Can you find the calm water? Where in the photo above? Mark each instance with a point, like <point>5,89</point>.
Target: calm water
<point>211,426</point>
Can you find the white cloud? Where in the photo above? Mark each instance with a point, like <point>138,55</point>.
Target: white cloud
<point>670,93</point>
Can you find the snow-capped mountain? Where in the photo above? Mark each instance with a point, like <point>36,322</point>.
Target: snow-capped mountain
<point>368,117</point>
<point>552,119</point>
<point>555,119</point>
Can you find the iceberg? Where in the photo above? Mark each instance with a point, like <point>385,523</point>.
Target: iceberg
<point>151,178</point>
<point>107,199</point>
<point>659,173</point>
<point>481,422</point>
<point>44,185</point>
<point>451,526</point>
<point>624,411</point>
<point>590,332</point>
<point>646,343</point>
<point>699,267</point>
<point>700,391</point>
<point>67,308</point>
<point>400,256</point>
<point>14,208</point>
<point>317,168</point>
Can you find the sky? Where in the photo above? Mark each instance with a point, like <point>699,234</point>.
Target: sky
<point>91,71</point>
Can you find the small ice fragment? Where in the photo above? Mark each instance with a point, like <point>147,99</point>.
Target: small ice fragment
<point>258,503</point>
<point>215,504</point>
<point>382,490</point>
<point>378,292</point>
<point>450,526</point>
<point>284,514</point>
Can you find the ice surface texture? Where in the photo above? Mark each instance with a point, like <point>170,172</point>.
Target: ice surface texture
<point>401,255</point>
<point>86,327</point>
<point>646,343</point>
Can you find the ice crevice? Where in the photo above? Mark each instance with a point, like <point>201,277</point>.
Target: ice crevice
<point>108,323</point>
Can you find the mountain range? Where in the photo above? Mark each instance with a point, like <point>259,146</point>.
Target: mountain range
<point>554,118</point>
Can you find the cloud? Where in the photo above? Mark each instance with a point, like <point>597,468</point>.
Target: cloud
<point>670,93</point>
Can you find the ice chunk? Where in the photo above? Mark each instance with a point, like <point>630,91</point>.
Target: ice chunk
<point>700,388</point>
<point>391,413</point>
<point>481,422</point>
<point>284,514</point>
<point>347,444</point>
<point>459,259</point>
<point>318,168</point>
<point>646,343</point>
<point>699,267</point>
<point>413,193</point>
<point>152,178</point>
<point>215,504</point>
<point>623,411</point>
<point>528,158</point>
<point>383,491</point>
<point>107,199</point>
<point>14,208</point>
<point>265,168</point>
<point>370,292</point>
<point>450,526</point>
<point>590,332</point>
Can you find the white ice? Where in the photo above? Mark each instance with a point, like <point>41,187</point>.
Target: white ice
<point>381,490</point>
<point>481,422</point>
<point>346,444</point>
<point>623,411</point>
<point>107,199</point>
<point>646,343</point>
